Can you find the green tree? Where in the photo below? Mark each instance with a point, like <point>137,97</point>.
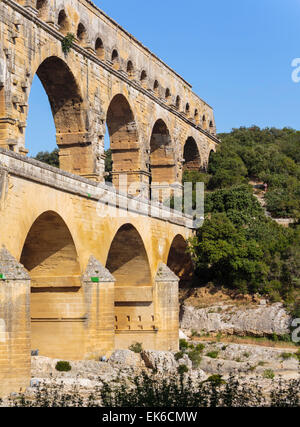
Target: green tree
<point>51,159</point>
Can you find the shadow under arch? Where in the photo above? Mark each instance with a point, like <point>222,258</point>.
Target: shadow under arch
<point>68,112</point>
<point>191,155</point>
<point>127,259</point>
<point>124,141</point>
<point>57,302</point>
<point>162,156</point>
<point>180,262</point>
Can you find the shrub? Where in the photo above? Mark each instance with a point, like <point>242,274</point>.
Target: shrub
<point>157,391</point>
<point>183,344</point>
<point>63,366</point>
<point>182,369</point>
<point>213,354</point>
<point>269,374</point>
<point>216,379</point>
<point>136,347</point>
<point>286,356</point>
<point>246,354</point>
<point>195,357</point>
<point>179,355</point>
<point>200,347</point>
<point>66,43</point>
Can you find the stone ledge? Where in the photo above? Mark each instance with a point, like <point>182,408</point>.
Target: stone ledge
<point>36,171</point>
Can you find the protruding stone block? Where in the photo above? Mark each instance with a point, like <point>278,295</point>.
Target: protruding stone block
<point>166,308</point>
<point>99,288</point>
<point>14,325</point>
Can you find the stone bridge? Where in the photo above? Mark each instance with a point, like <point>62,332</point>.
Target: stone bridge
<point>84,268</point>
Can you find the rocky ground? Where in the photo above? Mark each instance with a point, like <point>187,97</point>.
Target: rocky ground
<point>210,322</point>
<point>248,363</point>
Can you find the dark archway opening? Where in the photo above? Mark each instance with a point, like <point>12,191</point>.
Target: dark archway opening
<point>57,301</point>
<point>134,309</point>
<point>42,8</point>
<point>99,48</point>
<point>192,160</point>
<point>180,262</point>
<point>69,116</point>
<point>162,159</point>
<point>130,70</point>
<point>124,142</point>
<point>115,59</point>
<point>63,22</point>
<point>81,34</point>
<point>127,259</point>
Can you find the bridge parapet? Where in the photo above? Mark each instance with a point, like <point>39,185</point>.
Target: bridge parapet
<point>104,195</point>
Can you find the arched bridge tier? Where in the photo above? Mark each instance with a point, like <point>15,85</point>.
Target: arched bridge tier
<point>107,76</point>
<point>89,269</point>
<point>85,269</point>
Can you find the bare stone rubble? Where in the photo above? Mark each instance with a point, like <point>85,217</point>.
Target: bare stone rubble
<point>248,359</point>
<point>261,320</point>
<point>159,360</point>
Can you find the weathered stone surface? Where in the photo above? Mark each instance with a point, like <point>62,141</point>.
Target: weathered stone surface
<point>160,360</point>
<point>95,269</point>
<point>247,359</point>
<point>233,319</point>
<point>10,269</point>
<point>106,75</point>
<point>185,360</point>
<point>164,274</point>
<point>126,358</point>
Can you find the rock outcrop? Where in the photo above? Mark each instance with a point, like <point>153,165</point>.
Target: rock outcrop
<point>241,320</point>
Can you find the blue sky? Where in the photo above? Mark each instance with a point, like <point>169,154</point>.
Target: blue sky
<point>237,55</point>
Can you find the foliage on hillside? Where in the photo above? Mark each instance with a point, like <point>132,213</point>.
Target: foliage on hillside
<point>51,159</point>
<point>238,246</point>
<point>268,155</point>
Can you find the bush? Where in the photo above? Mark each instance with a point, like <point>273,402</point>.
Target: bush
<point>213,354</point>
<point>179,355</point>
<point>63,366</point>
<point>136,348</point>
<point>286,356</point>
<point>183,344</point>
<point>182,369</point>
<point>171,391</point>
<point>200,347</point>
<point>216,379</point>
<point>269,374</point>
<point>195,357</point>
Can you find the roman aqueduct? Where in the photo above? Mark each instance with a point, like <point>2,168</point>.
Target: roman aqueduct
<point>79,274</point>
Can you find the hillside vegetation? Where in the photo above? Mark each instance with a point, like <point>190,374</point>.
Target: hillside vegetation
<point>238,247</point>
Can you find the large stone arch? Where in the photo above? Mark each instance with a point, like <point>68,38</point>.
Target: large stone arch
<point>57,299</point>
<point>69,114</point>
<point>128,262</point>
<point>191,155</point>
<point>162,158</point>
<point>127,259</point>
<point>180,262</point>
<point>124,144</point>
